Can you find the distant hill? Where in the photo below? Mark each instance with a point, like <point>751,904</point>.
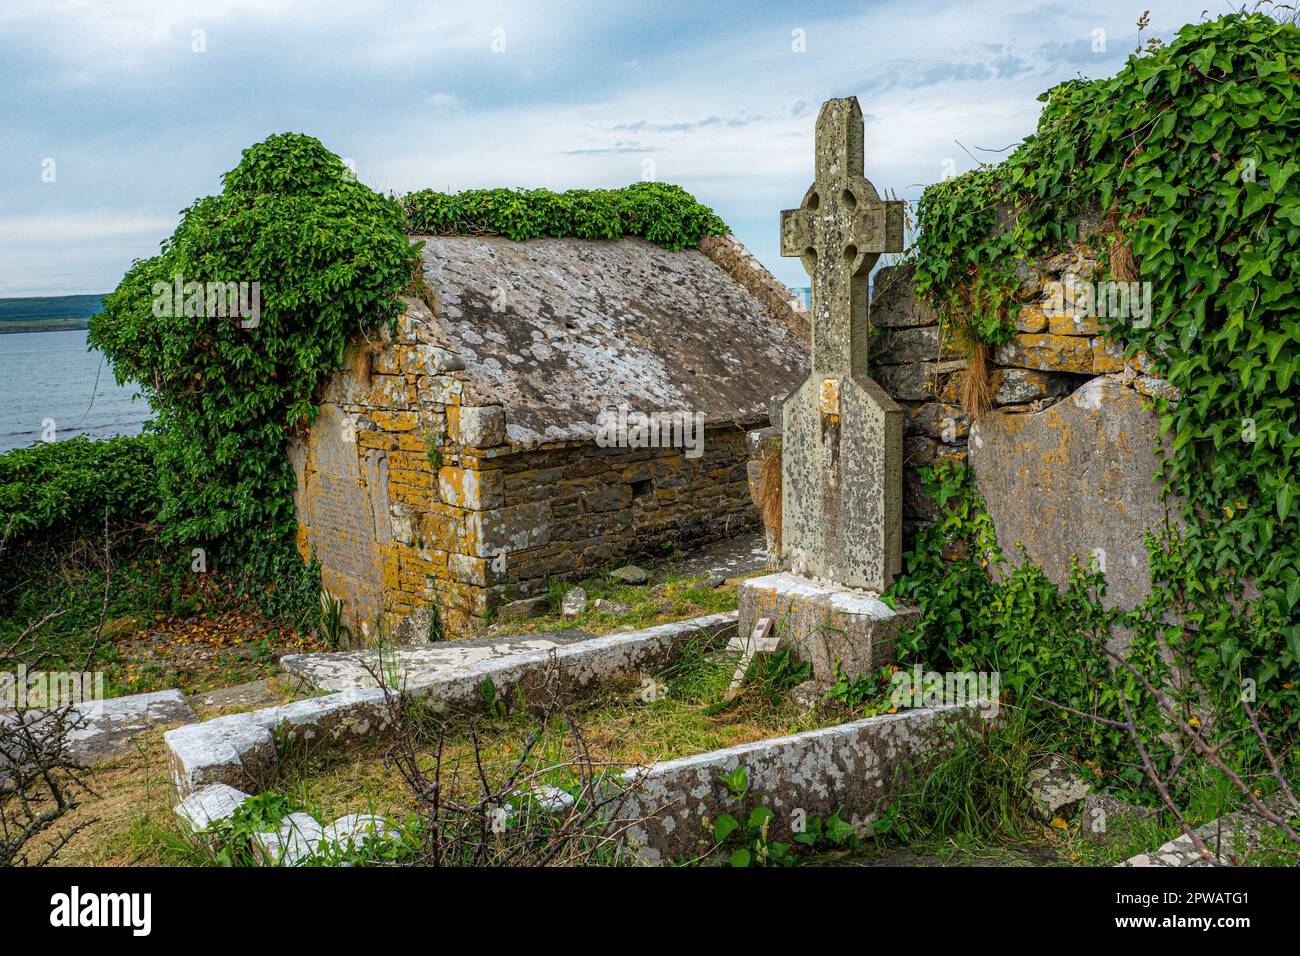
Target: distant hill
<point>47,313</point>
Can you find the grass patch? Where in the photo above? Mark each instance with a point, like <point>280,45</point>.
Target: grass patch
<point>668,597</point>
<point>674,712</point>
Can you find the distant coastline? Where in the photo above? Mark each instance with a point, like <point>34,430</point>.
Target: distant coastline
<point>72,326</point>
<point>48,313</point>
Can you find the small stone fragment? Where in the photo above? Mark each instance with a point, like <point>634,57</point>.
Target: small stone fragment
<point>552,799</point>
<point>1105,819</point>
<point>808,695</point>
<point>209,805</point>
<point>616,608</point>
<point>630,574</point>
<point>574,602</point>
<point>296,840</point>
<point>1057,792</point>
<point>524,608</point>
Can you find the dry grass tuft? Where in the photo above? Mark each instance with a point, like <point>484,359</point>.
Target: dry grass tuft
<point>976,387</point>
<point>1123,265</point>
<point>358,361</point>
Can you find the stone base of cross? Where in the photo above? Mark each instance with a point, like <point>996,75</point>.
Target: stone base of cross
<point>756,642</point>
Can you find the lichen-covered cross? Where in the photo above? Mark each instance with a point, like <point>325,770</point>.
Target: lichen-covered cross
<point>841,434</point>
<point>839,232</point>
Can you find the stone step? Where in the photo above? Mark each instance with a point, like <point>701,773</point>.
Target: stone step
<point>99,729</point>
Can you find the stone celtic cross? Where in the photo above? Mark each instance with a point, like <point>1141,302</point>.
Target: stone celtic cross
<point>842,435</point>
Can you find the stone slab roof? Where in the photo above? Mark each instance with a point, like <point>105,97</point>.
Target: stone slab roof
<point>556,329</point>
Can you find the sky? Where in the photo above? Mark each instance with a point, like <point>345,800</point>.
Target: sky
<point>116,114</point>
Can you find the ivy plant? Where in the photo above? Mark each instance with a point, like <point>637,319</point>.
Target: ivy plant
<point>1184,163</point>
<point>330,257</point>
<point>659,212</point>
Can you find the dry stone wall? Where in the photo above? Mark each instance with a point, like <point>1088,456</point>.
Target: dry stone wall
<point>576,508</point>
<point>1053,352</point>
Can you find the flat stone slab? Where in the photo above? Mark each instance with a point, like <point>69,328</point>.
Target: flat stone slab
<point>256,693</point>
<point>1230,838</point>
<point>1085,465</point>
<point>852,768</point>
<point>299,836</point>
<point>824,623</point>
<point>100,729</point>
<point>415,664</point>
<point>734,557</point>
<point>241,750</point>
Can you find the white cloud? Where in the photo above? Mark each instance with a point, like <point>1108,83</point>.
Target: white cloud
<point>442,102</point>
<point>82,227</point>
<point>584,94</point>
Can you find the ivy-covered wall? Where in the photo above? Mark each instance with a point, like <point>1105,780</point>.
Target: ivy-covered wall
<point>1106,325</point>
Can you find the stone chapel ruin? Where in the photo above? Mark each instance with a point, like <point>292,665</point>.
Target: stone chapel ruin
<point>494,444</point>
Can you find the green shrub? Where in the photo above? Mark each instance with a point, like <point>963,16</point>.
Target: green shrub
<point>331,257</point>
<point>659,212</point>
<point>1188,152</point>
<point>1044,641</point>
<point>61,490</point>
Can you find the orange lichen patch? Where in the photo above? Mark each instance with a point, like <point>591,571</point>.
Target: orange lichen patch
<point>409,441</point>
<point>379,440</point>
<point>829,398</point>
<point>1030,318</point>
<point>417,460</point>
<point>391,421</point>
<point>1106,356</point>
<point>1048,353</point>
<point>1072,323</point>
<point>422,479</point>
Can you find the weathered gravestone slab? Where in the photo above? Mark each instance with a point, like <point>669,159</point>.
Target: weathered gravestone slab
<point>1086,464</point>
<point>95,730</point>
<point>343,508</point>
<point>841,470</point>
<point>414,664</point>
